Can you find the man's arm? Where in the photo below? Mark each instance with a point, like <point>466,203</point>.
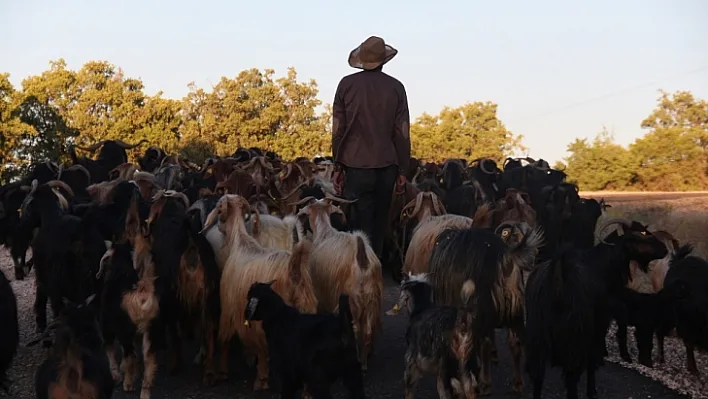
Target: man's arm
<point>339,120</point>
<point>401,134</point>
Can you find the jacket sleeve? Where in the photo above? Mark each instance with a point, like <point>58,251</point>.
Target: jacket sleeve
<point>339,121</point>
<point>401,137</point>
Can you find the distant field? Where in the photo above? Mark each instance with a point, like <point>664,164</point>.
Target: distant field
<point>683,214</point>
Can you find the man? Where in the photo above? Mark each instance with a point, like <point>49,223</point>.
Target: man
<point>370,138</point>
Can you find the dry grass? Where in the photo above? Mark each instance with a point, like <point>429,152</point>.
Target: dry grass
<point>686,218</point>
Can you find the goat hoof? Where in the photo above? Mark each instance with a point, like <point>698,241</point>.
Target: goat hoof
<point>127,386</point>
<point>209,378</point>
<point>485,390</point>
<point>260,385</point>
<point>518,386</point>
<point>145,393</point>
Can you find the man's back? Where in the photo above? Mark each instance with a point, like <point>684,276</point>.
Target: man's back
<point>373,108</point>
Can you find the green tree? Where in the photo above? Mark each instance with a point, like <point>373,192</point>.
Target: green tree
<point>672,155</point>
<point>470,131</point>
<point>254,109</point>
<point>600,164</point>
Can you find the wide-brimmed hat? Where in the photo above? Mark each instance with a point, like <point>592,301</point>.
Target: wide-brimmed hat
<point>371,54</point>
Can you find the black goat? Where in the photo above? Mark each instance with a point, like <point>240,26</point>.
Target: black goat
<point>77,365</point>
<point>310,351</point>
<point>561,327</point>
<point>112,154</point>
<point>16,236</point>
<point>610,260</point>
<point>440,340</point>
<point>494,260</point>
<point>685,304</point>
<point>9,333</point>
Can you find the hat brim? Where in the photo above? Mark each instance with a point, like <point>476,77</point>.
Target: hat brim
<point>355,62</point>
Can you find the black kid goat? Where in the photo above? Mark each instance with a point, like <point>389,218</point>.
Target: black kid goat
<point>561,328</point>
<point>309,350</point>
<point>77,366</point>
<point>439,340</point>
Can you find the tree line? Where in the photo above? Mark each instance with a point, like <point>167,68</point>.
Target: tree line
<point>61,107</point>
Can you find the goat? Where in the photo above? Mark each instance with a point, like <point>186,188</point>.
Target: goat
<point>9,337</point>
<point>310,351</point>
<point>77,366</point>
<point>684,300</point>
<point>439,340</point>
<point>248,262</point>
<point>494,260</point>
<point>561,323</point>
<point>343,262</point>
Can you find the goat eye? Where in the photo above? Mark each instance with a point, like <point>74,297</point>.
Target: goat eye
<point>644,233</point>
<point>505,233</point>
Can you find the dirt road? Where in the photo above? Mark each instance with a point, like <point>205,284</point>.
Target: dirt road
<point>615,196</point>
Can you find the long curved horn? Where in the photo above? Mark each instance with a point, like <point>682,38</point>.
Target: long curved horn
<point>415,203</point>
<point>303,201</point>
<point>81,168</point>
<point>484,169</point>
<point>93,147</point>
<point>127,146</point>
<point>262,161</point>
<point>437,206</point>
<point>295,190</point>
<point>177,194</point>
<point>621,221</point>
<point>331,197</point>
<point>62,185</point>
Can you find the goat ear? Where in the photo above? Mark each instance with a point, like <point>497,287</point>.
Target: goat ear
<point>256,222</point>
<point>270,283</point>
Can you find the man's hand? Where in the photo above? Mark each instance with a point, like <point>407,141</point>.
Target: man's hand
<point>338,181</point>
<point>401,184</point>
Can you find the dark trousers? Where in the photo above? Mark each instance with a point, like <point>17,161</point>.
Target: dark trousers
<point>373,188</point>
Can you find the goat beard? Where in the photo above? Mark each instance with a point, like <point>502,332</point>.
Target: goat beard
<point>141,304</point>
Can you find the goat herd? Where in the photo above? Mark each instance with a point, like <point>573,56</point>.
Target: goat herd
<point>138,257</point>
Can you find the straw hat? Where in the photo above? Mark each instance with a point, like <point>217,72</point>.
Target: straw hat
<point>371,54</point>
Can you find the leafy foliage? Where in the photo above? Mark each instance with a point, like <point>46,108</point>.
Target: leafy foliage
<point>671,156</point>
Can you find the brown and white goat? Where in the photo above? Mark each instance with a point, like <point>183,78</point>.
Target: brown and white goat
<point>431,222</point>
<point>343,262</point>
<point>248,262</point>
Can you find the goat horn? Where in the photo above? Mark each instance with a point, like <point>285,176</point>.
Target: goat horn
<point>93,147</point>
<point>127,146</point>
<point>331,197</point>
<point>83,169</point>
<point>295,190</point>
<point>62,185</point>
<point>482,164</point>
<point>621,221</point>
<point>303,201</point>
<point>439,209</point>
<point>177,194</point>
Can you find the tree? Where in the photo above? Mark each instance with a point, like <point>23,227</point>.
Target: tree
<point>600,165</point>
<point>469,131</point>
<point>672,155</point>
<point>254,109</point>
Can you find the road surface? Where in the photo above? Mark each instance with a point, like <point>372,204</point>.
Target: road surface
<point>615,196</point>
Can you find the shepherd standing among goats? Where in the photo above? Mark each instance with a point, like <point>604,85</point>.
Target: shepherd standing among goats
<point>370,138</point>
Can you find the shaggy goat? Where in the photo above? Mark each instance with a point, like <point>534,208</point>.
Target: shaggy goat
<point>77,366</point>
<point>248,262</point>
<point>9,337</point>
<point>423,240</point>
<point>561,327</point>
<point>344,262</point>
<point>310,351</point>
<point>440,340</point>
<point>494,260</point>
<point>685,304</point>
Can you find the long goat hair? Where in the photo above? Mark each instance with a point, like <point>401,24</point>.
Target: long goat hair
<point>440,340</point>
<point>494,260</point>
<point>561,299</point>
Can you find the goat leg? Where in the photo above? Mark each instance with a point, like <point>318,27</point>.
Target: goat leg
<point>591,387</point>
<point>261,382</point>
<point>112,362</point>
<point>485,379</point>
<point>494,352</point>
<point>622,341</point>
<point>410,377</point>
<point>209,333</point>
<point>223,373</point>
<point>690,358</point>
<point>571,383</point>
<point>515,346</point>
<point>660,343</point>
<point>443,390</point>
<point>174,361</point>
<point>128,367</point>
<point>40,308</point>
<point>150,370</point>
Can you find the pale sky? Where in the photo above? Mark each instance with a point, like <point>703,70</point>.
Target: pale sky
<point>557,69</point>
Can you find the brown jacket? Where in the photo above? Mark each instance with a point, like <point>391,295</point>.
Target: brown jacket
<point>371,123</point>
